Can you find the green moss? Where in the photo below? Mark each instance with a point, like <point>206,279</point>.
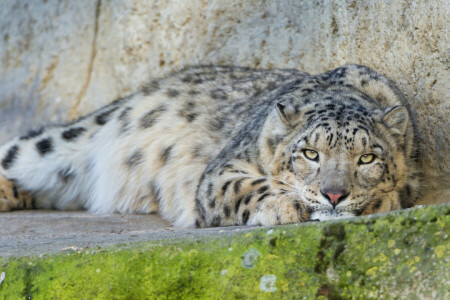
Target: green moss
<point>399,255</point>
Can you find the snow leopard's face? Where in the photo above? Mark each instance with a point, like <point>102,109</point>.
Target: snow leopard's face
<point>345,170</point>
<point>347,160</point>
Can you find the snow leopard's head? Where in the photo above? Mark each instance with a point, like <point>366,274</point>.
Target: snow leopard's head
<point>347,146</point>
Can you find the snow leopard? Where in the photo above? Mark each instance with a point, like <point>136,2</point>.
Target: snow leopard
<point>222,145</point>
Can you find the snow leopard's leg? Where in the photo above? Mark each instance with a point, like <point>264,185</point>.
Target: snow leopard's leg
<point>243,196</point>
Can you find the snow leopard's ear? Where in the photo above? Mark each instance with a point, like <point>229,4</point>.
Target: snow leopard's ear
<point>283,112</point>
<point>396,119</point>
<point>287,113</point>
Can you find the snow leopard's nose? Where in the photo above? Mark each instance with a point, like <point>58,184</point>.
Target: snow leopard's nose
<point>335,196</point>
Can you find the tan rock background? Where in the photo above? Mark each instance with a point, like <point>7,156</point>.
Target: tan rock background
<point>62,59</point>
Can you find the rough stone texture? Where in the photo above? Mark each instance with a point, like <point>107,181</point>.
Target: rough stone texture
<point>59,60</point>
<point>400,255</point>
<point>37,232</point>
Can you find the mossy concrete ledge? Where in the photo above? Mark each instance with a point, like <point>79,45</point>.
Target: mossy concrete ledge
<point>403,254</point>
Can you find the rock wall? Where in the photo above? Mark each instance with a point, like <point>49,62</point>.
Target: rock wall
<point>62,59</point>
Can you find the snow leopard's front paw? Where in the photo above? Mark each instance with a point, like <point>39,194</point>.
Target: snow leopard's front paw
<point>11,198</point>
<point>284,209</point>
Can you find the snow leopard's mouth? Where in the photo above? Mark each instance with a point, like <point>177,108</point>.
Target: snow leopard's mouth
<point>323,215</point>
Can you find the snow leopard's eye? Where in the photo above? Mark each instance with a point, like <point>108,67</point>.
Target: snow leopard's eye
<point>311,154</point>
<point>366,159</point>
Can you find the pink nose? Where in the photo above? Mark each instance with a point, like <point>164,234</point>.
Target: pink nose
<point>334,198</point>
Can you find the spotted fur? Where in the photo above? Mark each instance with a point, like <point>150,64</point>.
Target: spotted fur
<point>217,146</point>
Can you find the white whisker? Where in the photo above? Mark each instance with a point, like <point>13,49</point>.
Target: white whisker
<point>286,183</point>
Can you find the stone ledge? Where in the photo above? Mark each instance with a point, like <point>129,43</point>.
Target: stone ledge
<point>38,232</point>
<point>404,254</point>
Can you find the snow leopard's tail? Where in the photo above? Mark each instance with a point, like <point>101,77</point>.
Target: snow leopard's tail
<point>58,161</point>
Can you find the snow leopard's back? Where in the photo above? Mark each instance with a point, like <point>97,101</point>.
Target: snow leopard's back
<point>145,152</point>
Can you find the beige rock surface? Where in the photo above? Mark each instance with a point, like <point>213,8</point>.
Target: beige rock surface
<point>62,59</point>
